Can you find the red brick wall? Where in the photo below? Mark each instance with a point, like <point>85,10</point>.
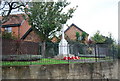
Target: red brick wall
<point>2,29</point>
<point>32,36</point>
<point>71,33</point>
<point>24,28</point>
<point>15,31</point>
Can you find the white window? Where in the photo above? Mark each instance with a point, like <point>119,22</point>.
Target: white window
<point>9,29</point>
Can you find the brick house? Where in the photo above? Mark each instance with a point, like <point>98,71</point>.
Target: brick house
<point>70,32</point>
<point>21,29</point>
<point>16,25</point>
<point>30,35</point>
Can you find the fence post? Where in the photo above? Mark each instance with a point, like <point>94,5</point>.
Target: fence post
<point>113,52</point>
<point>98,52</point>
<point>40,48</point>
<point>95,53</point>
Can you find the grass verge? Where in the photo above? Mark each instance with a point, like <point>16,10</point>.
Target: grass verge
<point>43,61</point>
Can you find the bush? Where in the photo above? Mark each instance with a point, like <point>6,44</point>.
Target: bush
<point>8,35</point>
<point>21,57</point>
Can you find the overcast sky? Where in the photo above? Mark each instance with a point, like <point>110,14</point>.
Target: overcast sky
<point>93,15</point>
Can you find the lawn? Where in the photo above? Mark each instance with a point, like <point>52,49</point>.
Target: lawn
<point>43,61</point>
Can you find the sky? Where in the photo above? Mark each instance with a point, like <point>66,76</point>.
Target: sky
<point>93,15</point>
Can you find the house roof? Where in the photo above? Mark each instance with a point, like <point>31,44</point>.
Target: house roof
<point>14,20</point>
<point>25,35</point>
<point>76,27</point>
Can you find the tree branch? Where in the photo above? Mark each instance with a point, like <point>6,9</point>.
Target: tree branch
<point>17,6</point>
<point>3,6</point>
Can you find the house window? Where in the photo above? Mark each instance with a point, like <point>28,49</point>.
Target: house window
<point>9,29</point>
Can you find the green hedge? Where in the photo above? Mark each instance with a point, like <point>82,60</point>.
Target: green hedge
<point>21,57</point>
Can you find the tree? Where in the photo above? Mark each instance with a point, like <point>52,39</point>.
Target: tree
<point>46,18</point>
<point>98,38</point>
<point>6,8</point>
<point>109,39</point>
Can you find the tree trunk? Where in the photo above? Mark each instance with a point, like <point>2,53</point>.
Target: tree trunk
<point>43,48</point>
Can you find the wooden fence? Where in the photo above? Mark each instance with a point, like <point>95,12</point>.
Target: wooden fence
<point>13,47</point>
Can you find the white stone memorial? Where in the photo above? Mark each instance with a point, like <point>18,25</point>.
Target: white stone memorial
<point>63,45</point>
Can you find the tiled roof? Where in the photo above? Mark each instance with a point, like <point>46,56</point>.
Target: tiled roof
<point>14,19</point>
<point>76,27</point>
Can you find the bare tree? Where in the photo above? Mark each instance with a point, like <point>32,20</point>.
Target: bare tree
<point>6,8</point>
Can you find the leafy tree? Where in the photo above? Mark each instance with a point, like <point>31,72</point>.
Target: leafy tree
<point>109,39</point>
<point>98,38</point>
<point>46,18</point>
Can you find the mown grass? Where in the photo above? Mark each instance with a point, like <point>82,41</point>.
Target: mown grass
<point>39,62</point>
<point>43,61</point>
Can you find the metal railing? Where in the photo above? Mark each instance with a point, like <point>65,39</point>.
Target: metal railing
<point>87,53</point>
<point>97,51</point>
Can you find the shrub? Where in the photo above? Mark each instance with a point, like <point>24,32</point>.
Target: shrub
<point>8,35</point>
